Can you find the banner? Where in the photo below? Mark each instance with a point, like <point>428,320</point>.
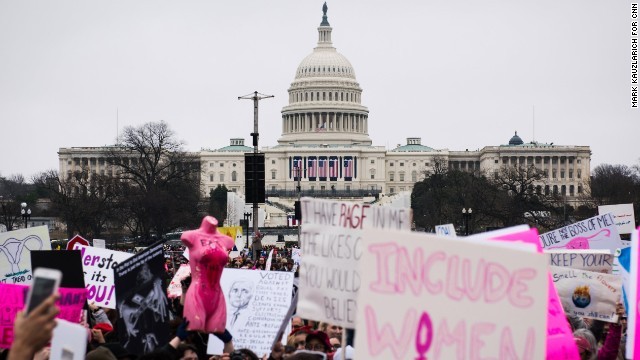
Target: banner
<point>143,325</point>
<point>331,239</point>
<point>446,230</point>
<point>589,260</point>
<point>623,216</point>
<point>98,265</point>
<point>598,232</point>
<point>588,294</point>
<point>430,297</point>
<point>15,247</point>
<point>12,298</point>
<point>257,301</point>
<point>174,289</point>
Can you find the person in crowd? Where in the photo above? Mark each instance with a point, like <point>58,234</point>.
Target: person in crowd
<point>332,330</point>
<point>318,341</point>
<point>298,338</point>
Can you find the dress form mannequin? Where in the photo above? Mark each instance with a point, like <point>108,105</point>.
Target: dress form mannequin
<point>204,304</point>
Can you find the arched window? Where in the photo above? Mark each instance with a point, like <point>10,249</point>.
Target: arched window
<point>234,176</point>
<point>306,96</point>
<point>546,189</point>
<point>571,190</point>
<point>211,177</point>
<point>563,190</point>
<point>555,189</point>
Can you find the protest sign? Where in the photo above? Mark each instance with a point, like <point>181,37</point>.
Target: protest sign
<point>633,333</point>
<point>12,298</point>
<point>590,260</point>
<point>15,247</point>
<point>624,260</point>
<point>588,294</point>
<point>69,341</point>
<point>445,230</point>
<point>332,242</point>
<point>98,265</point>
<point>257,301</point>
<point>269,261</point>
<point>142,301</point>
<point>623,216</point>
<point>598,232</point>
<point>174,289</point>
<point>296,255</point>
<point>99,243</point>
<point>424,296</point>
<point>234,254</point>
<point>67,261</point>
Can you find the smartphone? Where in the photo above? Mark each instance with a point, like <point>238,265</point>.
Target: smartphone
<point>45,282</point>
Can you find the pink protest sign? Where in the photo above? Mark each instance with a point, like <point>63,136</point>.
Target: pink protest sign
<point>174,289</point>
<point>633,333</point>
<point>560,343</point>
<point>429,297</point>
<point>12,299</point>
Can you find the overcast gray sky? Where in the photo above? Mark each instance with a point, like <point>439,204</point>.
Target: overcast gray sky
<point>459,74</point>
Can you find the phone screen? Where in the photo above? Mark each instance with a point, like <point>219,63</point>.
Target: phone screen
<point>42,288</point>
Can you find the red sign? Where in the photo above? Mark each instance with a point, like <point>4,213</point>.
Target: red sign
<point>77,240</point>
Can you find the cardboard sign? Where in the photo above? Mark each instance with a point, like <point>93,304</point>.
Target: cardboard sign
<point>633,332</point>
<point>69,341</point>
<point>98,265</point>
<point>174,289</point>
<point>67,261</point>
<point>598,232</point>
<point>99,243</point>
<point>142,302</point>
<point>332,242</point>
<point>623,216</point>
<point>588,294</point>
<point>590,260</point>
<point>296,255</point>
<point>12,298</point>
<point>257,301</point>
<point>446,230</point>
<point>15,248</point>
<point>77,240</point>
<point>424,296</point>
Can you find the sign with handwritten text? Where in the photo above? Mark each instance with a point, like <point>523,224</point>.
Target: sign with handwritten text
<point>590,260</point>
<point>445,230</point>
<point>332,243</point>
<point>425,296</point>
<point>257,302</point>
<point>174,289</point>
<point>598,232</point>
<point>98,265</point>
<point>623,216</point>
<point>588,294</point>
<point>12,298</point>
<point>15,257</point>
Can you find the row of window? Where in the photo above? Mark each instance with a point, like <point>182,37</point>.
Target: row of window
<point>313,70</point>
<point>538,160</point>
<point>326,95</point>
<point>414,176</point>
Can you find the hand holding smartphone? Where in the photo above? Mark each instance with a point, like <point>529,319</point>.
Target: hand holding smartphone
<point>45,283</point>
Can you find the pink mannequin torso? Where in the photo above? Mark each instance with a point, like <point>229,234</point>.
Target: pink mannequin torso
<point>204,304</point>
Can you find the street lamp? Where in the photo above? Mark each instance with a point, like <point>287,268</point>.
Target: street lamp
<point>466,215</point>
<point>26,213</point>
<point>247,217</point>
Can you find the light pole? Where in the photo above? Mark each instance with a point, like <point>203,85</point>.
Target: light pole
<point>466,215</point>
<point>26,213</point>
<point>247,217</point>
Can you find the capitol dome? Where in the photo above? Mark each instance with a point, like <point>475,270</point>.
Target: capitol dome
<point>516,140</point>
<point>325,99</point>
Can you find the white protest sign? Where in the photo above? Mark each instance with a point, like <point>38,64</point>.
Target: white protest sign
<point>69,341</point>
<point>598,232</point>
<point>296,255</point>
<point>588,294</point>
<point>269,261</point>
<point>623,216</point>
<point>174,289</point>
<point>185,253</point>
<point>16,247</point>
<point>257,301</point>
<point>99,243</point>
<point>430,297</point>
<point>98,265</point>
<point>590,260</point>
<point>332,243</point>
<point>633,332</point>
<point>446,230</point>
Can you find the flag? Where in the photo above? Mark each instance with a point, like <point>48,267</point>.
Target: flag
<point>333,168</point>
<point>322,168</point>
<point>297,168</point>
<point>312,168</point>
<point>348,168</point>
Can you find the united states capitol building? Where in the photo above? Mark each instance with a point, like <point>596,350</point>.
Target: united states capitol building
<point>325,141</point>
